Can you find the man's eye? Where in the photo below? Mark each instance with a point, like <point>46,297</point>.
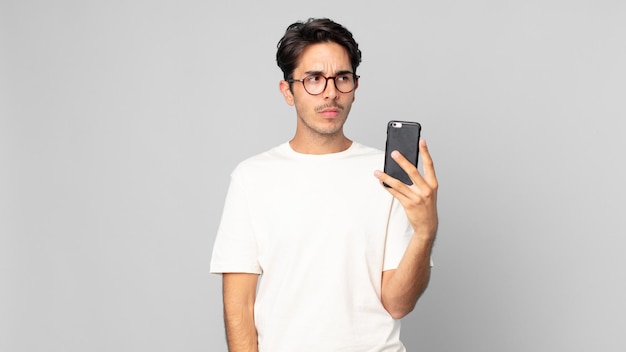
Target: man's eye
<point>343,78</point>
<point>314,78</point>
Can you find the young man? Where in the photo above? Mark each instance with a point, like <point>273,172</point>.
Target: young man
<point>341,257</point>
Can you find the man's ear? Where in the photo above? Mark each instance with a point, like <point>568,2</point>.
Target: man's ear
<point>285,88</point>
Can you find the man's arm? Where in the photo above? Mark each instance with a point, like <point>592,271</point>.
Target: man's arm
<point>402,287</point>
<point>239,291</point>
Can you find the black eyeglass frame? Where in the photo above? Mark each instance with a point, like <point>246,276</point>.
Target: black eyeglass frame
<point>355,76</point>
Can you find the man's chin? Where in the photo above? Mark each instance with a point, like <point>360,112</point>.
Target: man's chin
<point>330,128</point>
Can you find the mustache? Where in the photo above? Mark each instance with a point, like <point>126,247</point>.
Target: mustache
<point>328,106</point>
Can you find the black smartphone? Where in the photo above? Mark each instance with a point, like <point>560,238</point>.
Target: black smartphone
<point>404,137</point>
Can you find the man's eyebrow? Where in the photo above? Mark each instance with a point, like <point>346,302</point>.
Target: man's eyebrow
<point>340,72</point>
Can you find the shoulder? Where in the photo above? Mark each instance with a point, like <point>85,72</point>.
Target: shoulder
<point>282,157</point>
<point>265,160</point>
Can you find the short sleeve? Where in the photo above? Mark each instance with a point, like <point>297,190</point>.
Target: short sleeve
<point>399,233</point>
<point>235,248</point>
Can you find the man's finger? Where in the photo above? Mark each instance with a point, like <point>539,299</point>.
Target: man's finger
<point>427,163</point>
<point>408,167</point>
<point>395,187</point>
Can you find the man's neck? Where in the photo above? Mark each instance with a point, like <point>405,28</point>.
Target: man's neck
<point>320,145</point>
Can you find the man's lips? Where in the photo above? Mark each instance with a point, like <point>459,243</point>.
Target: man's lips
<point>329,111</point>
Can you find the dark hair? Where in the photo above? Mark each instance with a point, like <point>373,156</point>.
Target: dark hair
<point>301,34</point>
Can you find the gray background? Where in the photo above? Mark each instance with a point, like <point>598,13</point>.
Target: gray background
<point>121,121</point>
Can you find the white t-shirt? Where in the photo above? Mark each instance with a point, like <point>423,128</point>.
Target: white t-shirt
<point>320,229</point>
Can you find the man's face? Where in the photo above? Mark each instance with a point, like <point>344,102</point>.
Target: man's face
<point>325,113</point>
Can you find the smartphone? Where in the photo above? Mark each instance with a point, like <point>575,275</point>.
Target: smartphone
<point>404,137</point>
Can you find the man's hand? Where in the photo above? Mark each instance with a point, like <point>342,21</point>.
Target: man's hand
<point>419,199</point>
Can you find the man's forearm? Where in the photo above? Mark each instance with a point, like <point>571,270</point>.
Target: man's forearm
<point>402,287</point>
<point>239,298</point>
<point>240,329</point>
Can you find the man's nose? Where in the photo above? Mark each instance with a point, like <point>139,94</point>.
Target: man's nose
<point>330,92</point>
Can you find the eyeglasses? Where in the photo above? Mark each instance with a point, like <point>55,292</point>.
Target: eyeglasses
<point>315,84</point>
